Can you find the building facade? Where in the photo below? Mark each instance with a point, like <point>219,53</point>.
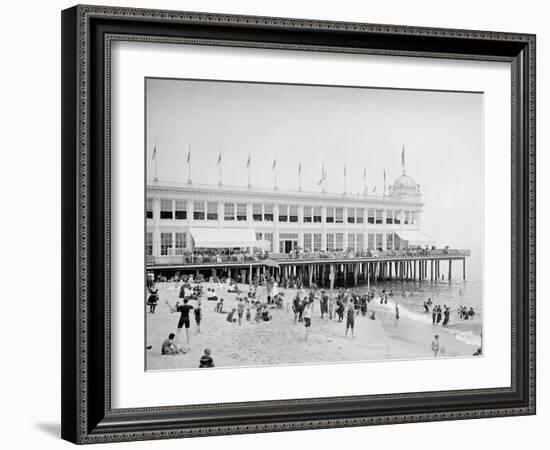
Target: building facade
<point>313,221</point>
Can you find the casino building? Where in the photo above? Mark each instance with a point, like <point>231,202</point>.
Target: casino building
<point>182,217</point>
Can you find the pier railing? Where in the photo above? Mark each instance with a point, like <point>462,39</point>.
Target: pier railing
<point>301,256</point>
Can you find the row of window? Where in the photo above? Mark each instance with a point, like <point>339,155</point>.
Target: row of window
<point>176,243</point>
<point>177,209</point>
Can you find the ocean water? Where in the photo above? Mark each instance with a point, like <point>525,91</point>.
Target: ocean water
<point>411,296</point>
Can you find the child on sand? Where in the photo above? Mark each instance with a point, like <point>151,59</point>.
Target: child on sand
<point>169,347</point>
<point>248,315</point>
<point>435,345</point>
<point>206,360</point>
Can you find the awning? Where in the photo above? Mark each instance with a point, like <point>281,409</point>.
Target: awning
<point>224,238</point>
<point>415,237</point>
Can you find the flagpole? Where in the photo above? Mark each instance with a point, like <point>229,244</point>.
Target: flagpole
<point>189,164</point>
<point>275,174</point>
<point>248,167</point>
<point>300,176</point>
<point>156,163</point>
<point>364,181</point>
<point>345,179</point>
<point>220,169</point>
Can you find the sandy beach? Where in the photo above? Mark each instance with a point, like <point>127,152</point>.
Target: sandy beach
<point>281,341</point>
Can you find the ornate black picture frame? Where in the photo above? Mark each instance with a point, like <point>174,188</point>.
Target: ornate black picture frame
<point>87,34</point>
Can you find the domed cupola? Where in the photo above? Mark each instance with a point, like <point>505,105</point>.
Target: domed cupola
<point>405,185</point>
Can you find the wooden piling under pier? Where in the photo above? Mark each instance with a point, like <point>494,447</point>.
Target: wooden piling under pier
<point>369,269</point>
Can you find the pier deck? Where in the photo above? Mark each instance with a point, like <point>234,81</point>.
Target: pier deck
<point>318,267</point>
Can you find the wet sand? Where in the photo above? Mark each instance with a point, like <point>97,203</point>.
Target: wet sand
<point>281,340</point>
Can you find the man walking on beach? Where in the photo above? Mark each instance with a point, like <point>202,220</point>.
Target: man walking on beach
<point>307,317</point>
<point>350,319</point>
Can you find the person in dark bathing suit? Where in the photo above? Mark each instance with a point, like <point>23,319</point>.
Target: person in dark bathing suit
<point>350,320</point>
<point>184,318</point>
<point>446,315</point>
<point>198,316</point>
<point>206,360</point>
<point>439,315</point>
<point>153,299</point>
<point>340,310</point>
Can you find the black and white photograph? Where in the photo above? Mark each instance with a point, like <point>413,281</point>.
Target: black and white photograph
<point>299,224</point>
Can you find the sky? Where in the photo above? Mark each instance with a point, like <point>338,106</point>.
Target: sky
<point>362,128</point>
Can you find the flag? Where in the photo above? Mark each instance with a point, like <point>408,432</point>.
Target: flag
<point>403,156</point>
<point>189,155</point>
<point>323,175</point>
<point>300,168</point>
<point>155,152</point>
<point>248,161</point>
<point>274,164</point>
<point>364,174</point>
<point>219,158</point>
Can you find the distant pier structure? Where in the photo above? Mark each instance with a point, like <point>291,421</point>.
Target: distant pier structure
<point>245,231</point>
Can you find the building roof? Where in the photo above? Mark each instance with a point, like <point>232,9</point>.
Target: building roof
<point>279,194</point>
